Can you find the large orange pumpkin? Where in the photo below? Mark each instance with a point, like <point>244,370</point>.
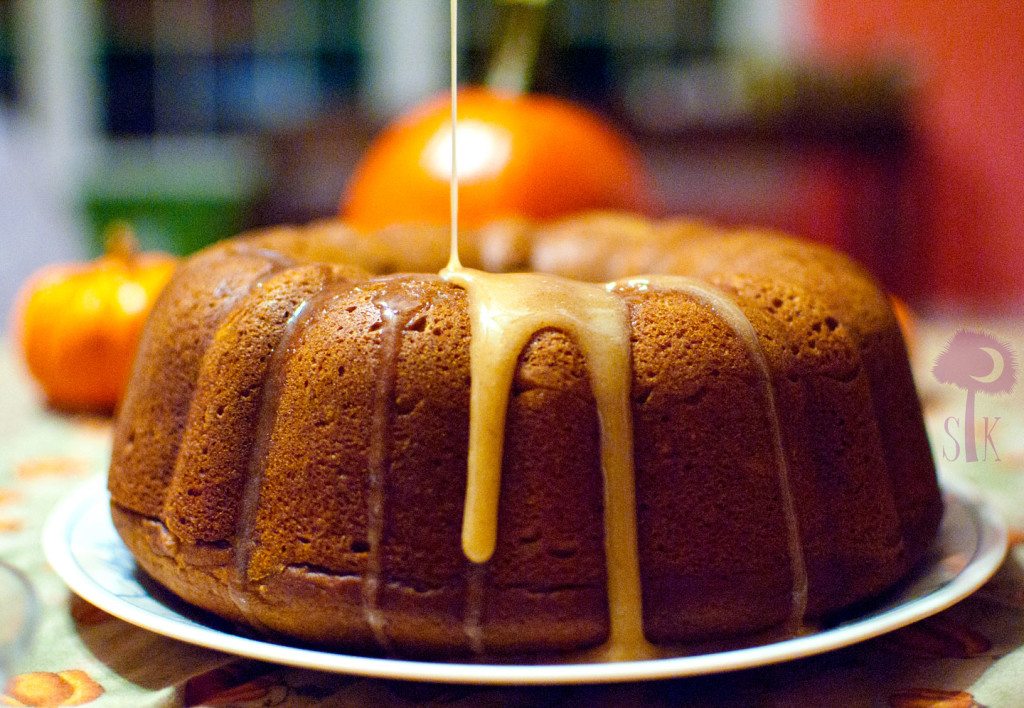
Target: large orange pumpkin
<point>519,155</point>
<point>79,323</point>
<point>907,321</point>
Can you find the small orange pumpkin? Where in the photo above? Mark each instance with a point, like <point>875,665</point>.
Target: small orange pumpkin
<point>79,323</point>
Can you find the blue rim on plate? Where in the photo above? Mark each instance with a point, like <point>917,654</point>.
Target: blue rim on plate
<point>83,547</point>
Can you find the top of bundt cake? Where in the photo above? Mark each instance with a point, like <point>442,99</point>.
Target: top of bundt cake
<point>232,402</point>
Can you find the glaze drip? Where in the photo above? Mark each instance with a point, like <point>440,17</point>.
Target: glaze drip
<point>505,311</point>
<point>299,319</point>
<point>472,624</point>
<point>453,183</point>
<point>724,307</point>
<point>397,307</point>
<point>278,260</point>
<point>226,307</point>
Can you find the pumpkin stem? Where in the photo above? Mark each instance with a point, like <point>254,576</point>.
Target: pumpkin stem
<point>515,56</point>
<point>120,241</point>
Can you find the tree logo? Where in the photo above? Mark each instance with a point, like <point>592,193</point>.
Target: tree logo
<point>975,362</point>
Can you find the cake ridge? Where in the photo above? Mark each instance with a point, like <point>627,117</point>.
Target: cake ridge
<point>279,261</point>
<point>396,309</point>
<point>274,266</point>
<point>725,307</point>
<point>296,323</point>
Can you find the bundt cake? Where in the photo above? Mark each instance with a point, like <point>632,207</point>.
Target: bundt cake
<point>323,443</point>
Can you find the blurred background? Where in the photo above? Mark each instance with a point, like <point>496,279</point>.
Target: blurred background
<point>892,129</point>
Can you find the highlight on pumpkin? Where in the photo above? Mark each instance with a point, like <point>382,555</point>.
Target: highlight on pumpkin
<point>518,157</point>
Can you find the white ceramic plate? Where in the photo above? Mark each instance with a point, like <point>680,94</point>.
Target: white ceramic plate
<point>85,550</point>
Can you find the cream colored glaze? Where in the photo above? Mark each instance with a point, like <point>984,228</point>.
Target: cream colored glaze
<point>396,309</point>
<point>733,316</point>
<point>472,623</point>
<point>505,311</point>
<point>453,185</point>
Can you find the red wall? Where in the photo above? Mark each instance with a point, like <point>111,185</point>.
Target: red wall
<point>967,60</point>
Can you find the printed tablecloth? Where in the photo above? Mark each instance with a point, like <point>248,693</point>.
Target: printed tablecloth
<point>972,654</point>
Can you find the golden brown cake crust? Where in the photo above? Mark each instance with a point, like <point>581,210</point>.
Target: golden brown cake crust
<point>288,405</point>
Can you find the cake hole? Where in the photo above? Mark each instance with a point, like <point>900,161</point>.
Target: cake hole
<point>303,540</point>
<point>530,536</point>
<point>341,371</point>
<point>220,411</point>
<point>350,308</point>
<point>831,323</point>
<point>405,406</point>
<point>563,552</point>
<point>376,325</point>
<point>418,325</point>
<point>695,397</point>
<point>360,546</point>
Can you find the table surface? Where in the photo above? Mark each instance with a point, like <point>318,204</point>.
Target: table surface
<point>971,654</point>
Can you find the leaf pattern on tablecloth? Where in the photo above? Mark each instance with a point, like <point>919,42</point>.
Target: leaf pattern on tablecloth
<point>11,525</point>
<point>939,637</point>
<point>46,688</point>
<point>264,691</point>
<point>9,497</point>
<point>1015,536</point>
<point>55,466</point>
<point>933,698</point>
<point>86,614</point>
<point>245,683</point>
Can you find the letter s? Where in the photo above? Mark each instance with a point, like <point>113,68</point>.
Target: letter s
<point>952,436</point>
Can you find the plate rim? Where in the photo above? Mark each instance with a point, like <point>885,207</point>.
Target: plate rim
<point>991,550</point>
